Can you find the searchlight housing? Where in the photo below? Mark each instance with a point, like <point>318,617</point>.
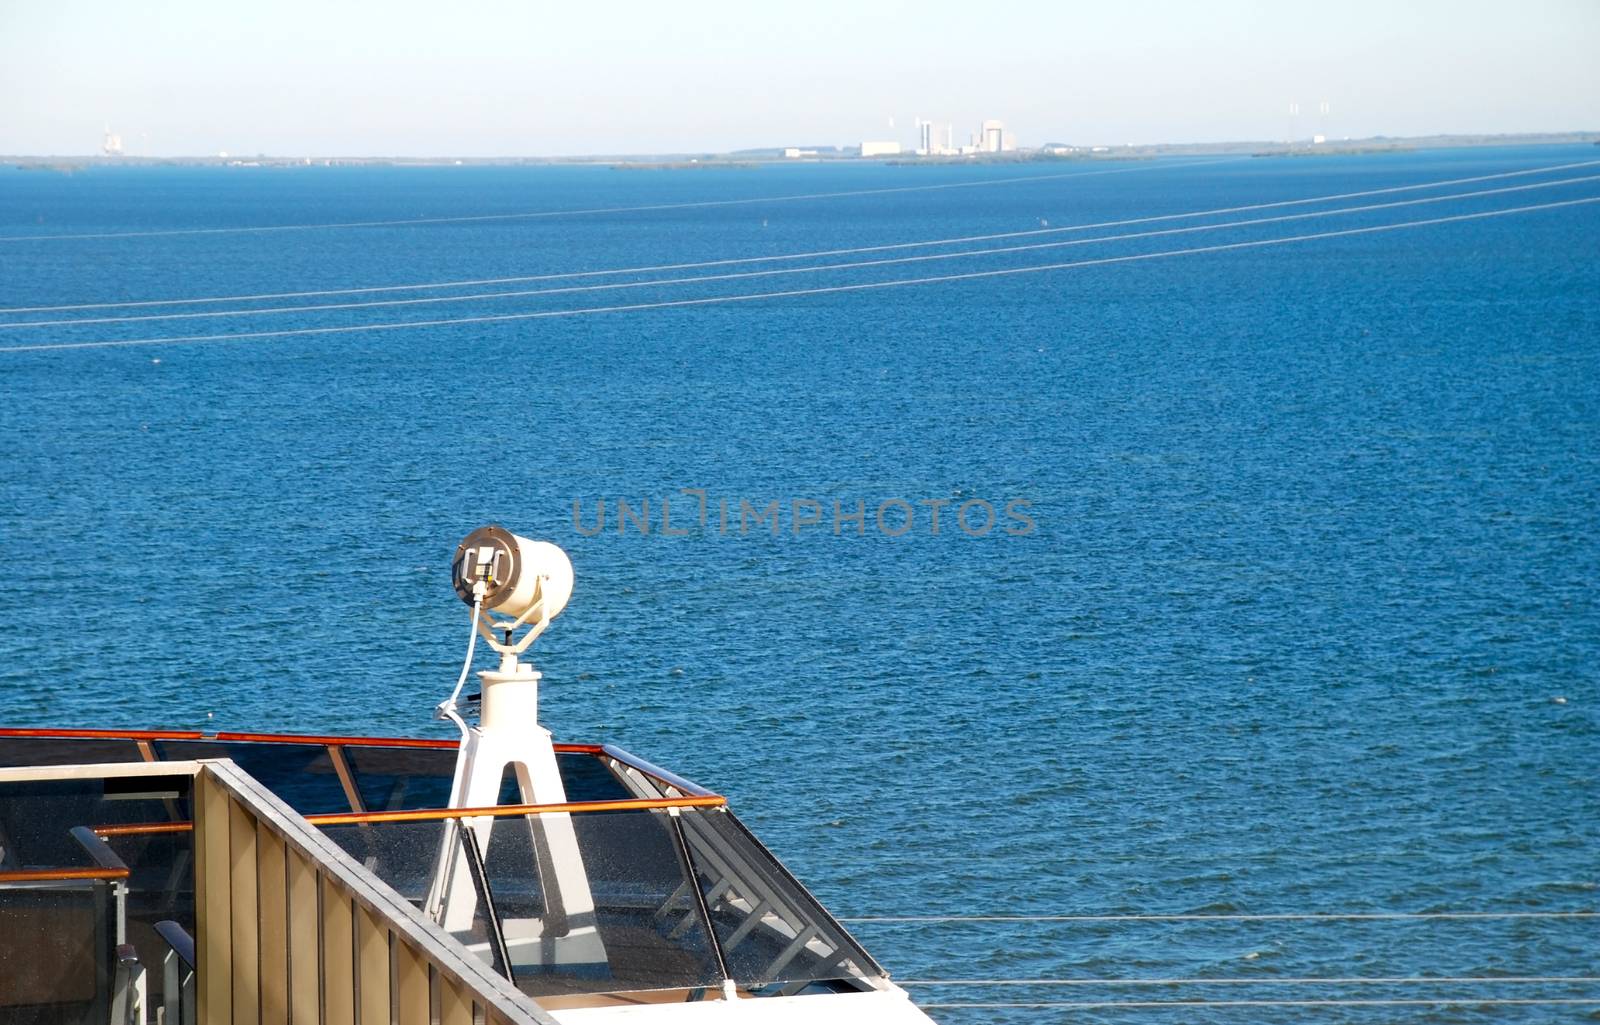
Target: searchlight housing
<point>520,576</point>
<point>526,584</point>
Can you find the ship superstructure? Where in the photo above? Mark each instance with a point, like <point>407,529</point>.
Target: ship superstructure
<point>178,877</point>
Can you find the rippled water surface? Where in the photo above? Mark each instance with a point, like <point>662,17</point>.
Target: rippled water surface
<point>1306,622</point>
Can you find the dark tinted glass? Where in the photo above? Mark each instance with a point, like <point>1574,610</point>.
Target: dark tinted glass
<point>37,816</point>
<point>65,751</point>
<point>160,883</point>
<point>301,774</point>
<point>587,778</point>
<point>391,778</point>
<point>405,855</point>
<point>618,917</point>
<point>772,932</point>
<point>402,854</point>
<point>55,953</point>
<point>36,819</point>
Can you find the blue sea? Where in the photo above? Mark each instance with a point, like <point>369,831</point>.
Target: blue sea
<point>1284,601</point>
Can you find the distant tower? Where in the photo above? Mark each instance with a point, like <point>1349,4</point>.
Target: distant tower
<point>112,145</point>
<point>993,138</point>
<point>925,145</point>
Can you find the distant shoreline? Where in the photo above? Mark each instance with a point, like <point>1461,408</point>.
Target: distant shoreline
<point>752,158</point>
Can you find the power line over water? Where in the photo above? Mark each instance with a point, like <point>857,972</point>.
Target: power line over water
<point>1090,1005</point>
<point>799,292</point>
<point>601,210</point>
<point>814,254</point>
<point>742,275</point>
<point>1304,916</point>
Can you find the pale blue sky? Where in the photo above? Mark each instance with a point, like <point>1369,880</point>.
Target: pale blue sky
<point>294,77</point>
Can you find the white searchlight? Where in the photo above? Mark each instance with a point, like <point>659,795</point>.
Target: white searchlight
<point>498,572</point>
<point>520,577</point>
<point>527,583</point>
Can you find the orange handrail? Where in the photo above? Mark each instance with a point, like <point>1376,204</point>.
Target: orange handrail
<point>330,741</point>
<point>105,734</point>
<point>39,875</point>
<point>440,814</point>
<point>144,829</point>
<point>503,810</point>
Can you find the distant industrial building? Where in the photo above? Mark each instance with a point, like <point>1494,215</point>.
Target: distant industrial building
<point>993,137</point>
<point>112,146</point>
<point>935,140</point>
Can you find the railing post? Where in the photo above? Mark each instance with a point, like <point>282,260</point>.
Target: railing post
<point>213,907</point>
<point>128,997</point>
<point>338,955</point>
<point>372,963</point>
<point>104,950</point>
<point>686,862</point>
<point>245,912</point>
<point>177,975</point>
<point>272,907</point>
<point>411,974</point>
<point>171,1001</point>
<point>305,964</point>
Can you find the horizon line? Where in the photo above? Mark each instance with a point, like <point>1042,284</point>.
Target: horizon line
<point>827,152</point>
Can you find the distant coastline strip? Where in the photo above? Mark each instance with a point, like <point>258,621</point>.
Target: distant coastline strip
<point>776,271</point>
<point>815,254</point>
<point>1153,165</point>
<point>799,292</point>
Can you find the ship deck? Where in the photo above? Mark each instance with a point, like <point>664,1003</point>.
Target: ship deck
<point>679,902</point>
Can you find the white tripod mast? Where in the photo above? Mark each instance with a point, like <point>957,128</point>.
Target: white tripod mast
<point>530,581</point>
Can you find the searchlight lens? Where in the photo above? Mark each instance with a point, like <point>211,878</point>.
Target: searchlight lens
<point>516,572</point>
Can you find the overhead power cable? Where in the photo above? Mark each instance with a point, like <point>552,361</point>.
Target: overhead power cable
<point>590,211</point>
<point>793,293</point>
<point>1359,980</point>
<point>1309,916</point>
<point>777,271</point>
<point>814,254</point>
<point>1465,1001</point>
